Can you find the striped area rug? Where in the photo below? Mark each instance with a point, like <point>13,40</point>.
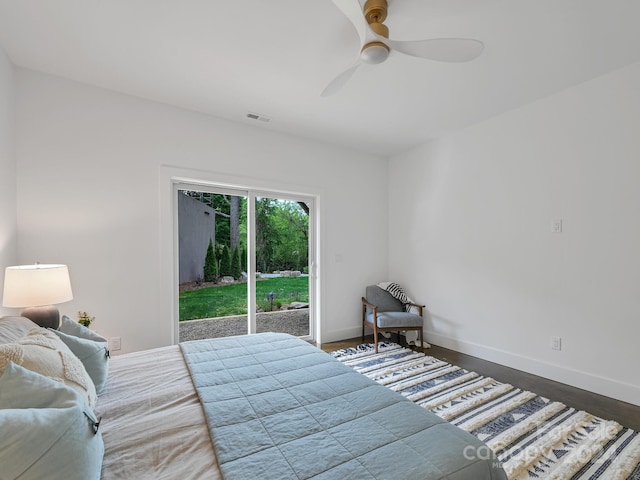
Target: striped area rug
<point>533,437</point>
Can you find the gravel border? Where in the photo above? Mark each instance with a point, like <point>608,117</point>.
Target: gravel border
<point>295,322</point>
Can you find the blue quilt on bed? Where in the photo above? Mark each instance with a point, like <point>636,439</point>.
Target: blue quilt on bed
<point>279,408</point>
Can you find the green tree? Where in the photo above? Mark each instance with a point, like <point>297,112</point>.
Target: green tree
<point>282,231</point>
<point>236,264</point>
<point>210,264</point>
<point>292,223</point>
<point>266,234</point>
<point>225,262</point>
<point>243,260</point>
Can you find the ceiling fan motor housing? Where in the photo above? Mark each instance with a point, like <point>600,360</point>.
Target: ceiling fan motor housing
<point>375,11</point>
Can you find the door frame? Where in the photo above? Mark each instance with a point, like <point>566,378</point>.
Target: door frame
<point>312,253</point>
<point>173,179</point>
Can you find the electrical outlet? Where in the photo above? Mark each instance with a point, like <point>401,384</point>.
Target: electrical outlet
<point>556,343</point>
<point>115,344</point>
<point>556,226</point>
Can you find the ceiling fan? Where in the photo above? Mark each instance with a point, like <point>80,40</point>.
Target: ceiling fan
<point>376,45</point>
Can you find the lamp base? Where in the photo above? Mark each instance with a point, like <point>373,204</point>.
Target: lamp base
<point>47,316</point>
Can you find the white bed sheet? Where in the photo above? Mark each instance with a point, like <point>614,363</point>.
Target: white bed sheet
<point>152,423</point>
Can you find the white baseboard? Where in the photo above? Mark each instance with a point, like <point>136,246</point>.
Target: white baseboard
<point>347,333</point>
<point>576,378</point>
<point>339,335</point>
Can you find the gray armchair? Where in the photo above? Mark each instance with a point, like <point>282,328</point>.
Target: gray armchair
<point>382,312</point>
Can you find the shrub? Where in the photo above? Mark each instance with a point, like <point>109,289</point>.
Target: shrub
<point>210,265</point>
<point>243,260</point>
<point>225,262</point>
<point>236,264</point>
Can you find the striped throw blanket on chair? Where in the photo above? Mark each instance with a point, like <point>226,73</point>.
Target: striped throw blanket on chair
<point>398,293</point>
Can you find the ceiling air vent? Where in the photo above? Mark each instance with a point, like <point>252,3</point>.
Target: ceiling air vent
<point>256,116</point>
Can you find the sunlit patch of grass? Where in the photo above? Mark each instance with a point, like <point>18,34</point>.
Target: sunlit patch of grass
<point>225,300</point>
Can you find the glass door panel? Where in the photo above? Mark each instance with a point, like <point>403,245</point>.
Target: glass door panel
<point>282,265</point>
<point>212,246</point>
<point>244,262</point>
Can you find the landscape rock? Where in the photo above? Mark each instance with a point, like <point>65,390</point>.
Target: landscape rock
<point>298,305</point>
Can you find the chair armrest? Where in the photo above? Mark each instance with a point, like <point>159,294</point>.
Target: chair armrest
<point>420,307</point>
<point>365,303</point>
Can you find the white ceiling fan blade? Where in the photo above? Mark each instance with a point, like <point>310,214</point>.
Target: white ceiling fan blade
<point>340,81</point>
<point>353,11</point>
<point>439,49</point>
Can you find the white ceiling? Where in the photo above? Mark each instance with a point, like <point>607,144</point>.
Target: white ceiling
<point>275,57</point>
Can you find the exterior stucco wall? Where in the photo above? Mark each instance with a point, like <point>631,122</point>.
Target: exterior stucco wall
<point>196,226</point>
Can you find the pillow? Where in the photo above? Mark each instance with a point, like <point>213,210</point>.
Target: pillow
<point>93,354</point>
<point>46,427</point>
<point>76,329</point>
<point>43,352</point>
<point>13,328</point>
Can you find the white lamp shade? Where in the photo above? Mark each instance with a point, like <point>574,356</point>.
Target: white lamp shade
<point>36,285</point>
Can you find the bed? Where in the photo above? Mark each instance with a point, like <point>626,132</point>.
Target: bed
<point>269,406</point>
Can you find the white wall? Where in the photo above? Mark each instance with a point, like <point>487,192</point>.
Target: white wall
<point>8,219</point>
<point>89,163</point>
<point>470,235</point>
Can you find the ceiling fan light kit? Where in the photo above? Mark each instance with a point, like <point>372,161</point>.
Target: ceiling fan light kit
<point>375,11</point>
<point>374,52</point>
<point>376,45</point>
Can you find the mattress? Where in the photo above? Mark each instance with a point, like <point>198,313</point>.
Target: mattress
<point>276,404</point>
<point>154,426</point>
<point>152,423</point>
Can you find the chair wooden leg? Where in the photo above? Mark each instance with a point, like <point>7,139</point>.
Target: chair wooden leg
<point>375,336</point>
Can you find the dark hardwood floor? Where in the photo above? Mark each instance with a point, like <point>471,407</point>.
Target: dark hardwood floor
<point>626,414</point>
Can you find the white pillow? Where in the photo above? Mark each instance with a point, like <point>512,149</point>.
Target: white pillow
<point>43,352</point>
<point>47,429</point>
<point>12,328</point>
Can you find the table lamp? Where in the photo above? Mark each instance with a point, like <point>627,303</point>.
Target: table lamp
<point>36,288</point>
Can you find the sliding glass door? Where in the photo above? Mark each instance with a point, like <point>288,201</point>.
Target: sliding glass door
<point>282,264</point>
<point>245,259</point>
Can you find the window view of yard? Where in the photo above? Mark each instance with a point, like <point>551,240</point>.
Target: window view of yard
<point>213,265</point>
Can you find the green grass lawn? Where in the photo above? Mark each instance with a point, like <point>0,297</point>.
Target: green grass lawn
<point>225,300</point>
